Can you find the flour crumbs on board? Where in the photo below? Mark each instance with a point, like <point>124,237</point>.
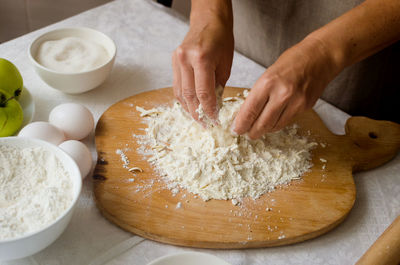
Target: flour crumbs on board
<point>215,164</point>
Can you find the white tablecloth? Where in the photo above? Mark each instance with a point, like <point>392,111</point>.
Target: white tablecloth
<point>146,34</point>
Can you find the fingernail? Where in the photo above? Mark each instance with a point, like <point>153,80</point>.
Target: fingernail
<point>202,123</point>
<point>248,137</point>
<point>216,112</point>
<point>233,129</point>
<point>215,118</point>
<point>216,122</point>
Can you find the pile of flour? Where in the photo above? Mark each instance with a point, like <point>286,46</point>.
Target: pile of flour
<point>215,164</point>
<point>35,189</point>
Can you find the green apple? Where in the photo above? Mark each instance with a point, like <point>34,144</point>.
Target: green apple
<point>11,115</point>
<point>10,79</point>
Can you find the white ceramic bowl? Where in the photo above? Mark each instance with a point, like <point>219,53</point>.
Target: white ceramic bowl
<point>74,83</point>
<point>34,242</point>
<point>189,258</point>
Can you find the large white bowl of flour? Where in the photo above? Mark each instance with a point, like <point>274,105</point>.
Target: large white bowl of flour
<point>38,193</point>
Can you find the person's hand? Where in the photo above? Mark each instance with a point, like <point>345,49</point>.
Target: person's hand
<point>203,60</point>
<point>289,86</point>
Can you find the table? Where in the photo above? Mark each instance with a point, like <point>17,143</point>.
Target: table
<point>145,34</point>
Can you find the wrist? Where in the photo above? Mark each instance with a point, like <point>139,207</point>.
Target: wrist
<point>212,12</point>
<point>333,55</point>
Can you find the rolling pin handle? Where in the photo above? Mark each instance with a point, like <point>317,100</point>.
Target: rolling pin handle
<point>386,250</point>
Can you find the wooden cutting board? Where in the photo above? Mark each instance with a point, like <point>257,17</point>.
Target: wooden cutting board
<point>306,208</point>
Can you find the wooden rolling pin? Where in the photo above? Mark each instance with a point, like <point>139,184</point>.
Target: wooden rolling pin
<point>385,250</point>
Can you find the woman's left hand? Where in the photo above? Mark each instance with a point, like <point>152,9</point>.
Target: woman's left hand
<point>289,86</point>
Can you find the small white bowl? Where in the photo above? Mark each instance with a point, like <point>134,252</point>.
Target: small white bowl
<point>74,83</point>
<point>34,242</point>
<point>189,258</point>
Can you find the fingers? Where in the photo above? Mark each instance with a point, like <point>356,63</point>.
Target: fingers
<point>189,90</point>
<point>222,73</point>
<point>194,83</point>
<point>270,106</point>
<point>294,107</point>
<point>205,89</point>
<point>267,120</point>
<point>177,82</point>
<point>195,76</point>
<point>278,112</point>
<point>251,108</point>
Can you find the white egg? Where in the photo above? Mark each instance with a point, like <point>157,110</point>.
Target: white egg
<point>44,131</point>
<point>75,120</point>
<point>80,153</point>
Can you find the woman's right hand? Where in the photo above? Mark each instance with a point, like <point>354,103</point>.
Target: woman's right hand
<point>203,60</point>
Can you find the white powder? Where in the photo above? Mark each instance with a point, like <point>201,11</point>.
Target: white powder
<point>71,55</point>
<point>215,164</point>
<point>235,202</point>
<point>124,158</point>
<point>200,111</point>
<point>35,190</point>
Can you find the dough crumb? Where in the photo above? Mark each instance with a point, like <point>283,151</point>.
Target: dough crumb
<point>215,164</point>
<point>235,202</point>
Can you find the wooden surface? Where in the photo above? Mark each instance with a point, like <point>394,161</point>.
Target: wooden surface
<point>304,209</point>
<point>386,250</point>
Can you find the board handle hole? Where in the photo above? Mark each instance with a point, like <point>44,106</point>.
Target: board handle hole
<point>372,135</point>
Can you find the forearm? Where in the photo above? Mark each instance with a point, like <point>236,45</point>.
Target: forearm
<point>361,32</point>
<point>211,11</point>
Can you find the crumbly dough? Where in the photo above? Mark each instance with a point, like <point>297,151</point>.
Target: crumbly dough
<point>214,163</point>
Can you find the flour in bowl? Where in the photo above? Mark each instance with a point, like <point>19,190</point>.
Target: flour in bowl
<point>215,164</point>
<point>35,190</point>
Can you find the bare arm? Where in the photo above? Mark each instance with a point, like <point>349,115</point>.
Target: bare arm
<point>361,32</point>
<point>297,79</point>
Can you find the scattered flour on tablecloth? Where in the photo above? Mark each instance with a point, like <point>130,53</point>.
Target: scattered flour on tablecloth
<point>216,164</point>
